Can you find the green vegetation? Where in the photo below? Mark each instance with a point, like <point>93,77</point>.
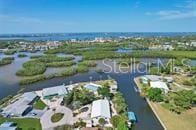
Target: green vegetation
<point>104,91</point>
<point>128,61</point>
<point>40,63</point>
<point>115,120</point>
<point>35,56</point>
<point>31,68</point>
<point>122,126</point>
<point>64,127</point>
<point>22,55</point>
<point>155,94</point>
<point>189,82</point>
<point>6,60</point>
<point>81,69</point>
<point>57,117</point>
<point>39,105</point>
<point>60,64</point>
<point>32,79</point>
<point>102,121</point>
<point>79,124</point>
<point>88,63</point>
<point>180,101</point>
<point>52,58</point>
<point>4,45</point>
<point>173,101</point>
<point>24,123</point>
<point>78,97</point>
<point>5,100</point>
<point>119,103</point>
<point>165,54</point>
<point>68,72</point>
<point>9,52</point>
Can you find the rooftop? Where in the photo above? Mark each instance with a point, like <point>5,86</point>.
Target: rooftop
<point>101,108</point>
<point>153,77</point>
<point>19,106</point>
<point>159,84</point>
<point>58,90</point>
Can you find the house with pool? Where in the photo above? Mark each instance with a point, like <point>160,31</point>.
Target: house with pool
<point>92,87</point>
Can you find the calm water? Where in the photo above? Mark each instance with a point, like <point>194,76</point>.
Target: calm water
<point>146,118</point>
<point>85,36</point>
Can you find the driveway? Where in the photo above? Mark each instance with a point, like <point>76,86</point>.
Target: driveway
<point>46,118</point>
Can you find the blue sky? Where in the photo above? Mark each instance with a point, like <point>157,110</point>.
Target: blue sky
<point>33,16</point>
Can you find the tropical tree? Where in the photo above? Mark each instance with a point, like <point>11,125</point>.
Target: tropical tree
<point>102,121</point>
<point>104,91</point>
<point>115,121</point>
<point>155,94</point>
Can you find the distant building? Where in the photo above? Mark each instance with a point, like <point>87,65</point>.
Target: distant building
<point>8,126</point>
<point>159,84</point>
<point>73,40</point>
<point>53,44</point>
<point>161,47</point>
<point>54,91</point>
<point>100,109</point>
<point>193,44</point>
<point>22,106</point>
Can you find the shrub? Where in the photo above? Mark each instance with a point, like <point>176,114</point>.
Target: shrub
<point>155,94</point>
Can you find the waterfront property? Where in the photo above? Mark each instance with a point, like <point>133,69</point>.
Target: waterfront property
<point>147,78</point>
<point>100,109</point>
<point>59,91</point>
<point>22,105</point>
<point>159,84</point>
<point>92,87</point>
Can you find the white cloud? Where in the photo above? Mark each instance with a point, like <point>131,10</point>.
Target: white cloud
<point>30,20</point>
<point>188,10</point>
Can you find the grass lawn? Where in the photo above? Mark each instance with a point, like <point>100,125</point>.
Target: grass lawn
<point>39,105</point>
<point>24,124</point>
<point>173,121</point>
<point>57,117</point>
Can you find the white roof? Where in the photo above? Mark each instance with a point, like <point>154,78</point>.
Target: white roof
<point>101,108</point>
<point>159,84</point>
<point>153,77</point>
<point>59,90</point>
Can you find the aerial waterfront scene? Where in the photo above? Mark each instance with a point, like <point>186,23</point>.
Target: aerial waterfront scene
<point>97,65</point>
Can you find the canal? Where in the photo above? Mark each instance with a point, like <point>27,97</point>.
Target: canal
<point>146,118</point>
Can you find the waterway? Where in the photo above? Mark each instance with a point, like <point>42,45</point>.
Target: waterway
<point>146,118</point>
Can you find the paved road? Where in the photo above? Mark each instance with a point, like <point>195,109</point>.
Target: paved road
<point>46,118</point>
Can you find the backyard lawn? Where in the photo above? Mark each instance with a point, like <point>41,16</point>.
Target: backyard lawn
<point>24,124</point>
